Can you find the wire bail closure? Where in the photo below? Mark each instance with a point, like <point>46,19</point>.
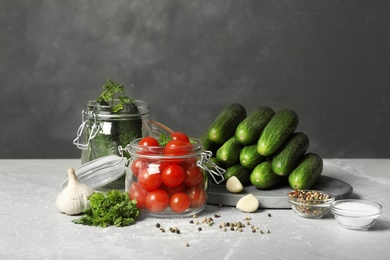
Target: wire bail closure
<point>217,172</point>
<point>94,130</point>
<point>121,150</point>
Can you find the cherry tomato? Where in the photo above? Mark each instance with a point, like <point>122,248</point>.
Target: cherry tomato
<point>197,195</point>
<point>180,136</point>
<point>138,193</point>
<point>173,175</point>
<point>176,148</point>
<point>150,180</point>
<point>148,141</point>
<point>138,165</point>
<point>193,176</point>
<point>157,200</point>
<point>148,145</point>
<point>179,202</point>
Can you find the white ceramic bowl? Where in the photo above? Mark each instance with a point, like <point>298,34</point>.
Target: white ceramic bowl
<point>356,214</point>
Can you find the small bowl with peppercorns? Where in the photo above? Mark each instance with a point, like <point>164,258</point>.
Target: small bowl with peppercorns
<point>310,203</point>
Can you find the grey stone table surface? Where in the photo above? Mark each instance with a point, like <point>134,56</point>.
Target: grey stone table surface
<point>32,228</point>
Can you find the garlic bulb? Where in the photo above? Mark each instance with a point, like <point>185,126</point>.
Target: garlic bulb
<point>73,199</point>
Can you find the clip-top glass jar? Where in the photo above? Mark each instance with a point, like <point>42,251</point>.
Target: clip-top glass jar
<point>102,131</point>
<point>167,183</point>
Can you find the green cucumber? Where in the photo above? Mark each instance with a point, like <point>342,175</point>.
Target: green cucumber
<point>307,172</point>
<point>262,176</point>
<point>279,128</point>
<point>226,123</point>
<point>208,145</point>
<point>249,157</point>
<point>284,161</point>
<point>242,173</point>
<point>249,130</point>
<point>229,152</point>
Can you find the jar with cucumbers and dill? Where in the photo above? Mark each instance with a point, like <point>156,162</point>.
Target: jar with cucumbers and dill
<point>310,203</point>
<point>111,121</point>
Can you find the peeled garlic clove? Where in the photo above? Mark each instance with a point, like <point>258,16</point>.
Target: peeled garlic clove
<point>73,199</point>
<point>234,185</point>
<point>248,203</point>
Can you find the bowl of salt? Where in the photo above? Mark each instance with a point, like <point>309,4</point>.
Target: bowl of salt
<point>356,214</point>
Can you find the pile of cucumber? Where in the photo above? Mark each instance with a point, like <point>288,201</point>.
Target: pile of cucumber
<point>262,148</point>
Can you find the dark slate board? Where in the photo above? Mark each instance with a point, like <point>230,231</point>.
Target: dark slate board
<point>276,197</point>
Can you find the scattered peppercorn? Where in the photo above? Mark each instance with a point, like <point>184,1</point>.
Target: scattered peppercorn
<point>224,226</point>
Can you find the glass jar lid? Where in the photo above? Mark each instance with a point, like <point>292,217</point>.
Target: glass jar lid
<point>101,171</point>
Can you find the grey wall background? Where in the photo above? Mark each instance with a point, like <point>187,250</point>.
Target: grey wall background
<point>328,60</point>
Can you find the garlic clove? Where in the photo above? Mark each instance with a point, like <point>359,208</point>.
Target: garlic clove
<point>73,199</point>
<point>234,185</point>
<point>248,203</point>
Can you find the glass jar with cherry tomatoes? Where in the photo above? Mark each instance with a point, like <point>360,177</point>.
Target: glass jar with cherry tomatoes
<point>164,177</point>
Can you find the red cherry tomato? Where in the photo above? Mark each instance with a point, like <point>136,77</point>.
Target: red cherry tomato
<point>197,195</point>
<point>157,200</point>
<point>179,202</point>
<point>194,175</point>
<point>147,145</point>
<point>173,175</point>
<point>149,179</point>
<point>180,136</point>
<point>148,141</point>
<point>176,148</point>
<point>138,193</point>
<point>138,165</point>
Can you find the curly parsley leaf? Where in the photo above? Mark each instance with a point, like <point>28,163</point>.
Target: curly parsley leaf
<point>111,91</point>
<point>111,208</point>
<point>164,139</point>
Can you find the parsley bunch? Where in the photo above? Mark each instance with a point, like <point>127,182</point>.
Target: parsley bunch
<point>112,208</point>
